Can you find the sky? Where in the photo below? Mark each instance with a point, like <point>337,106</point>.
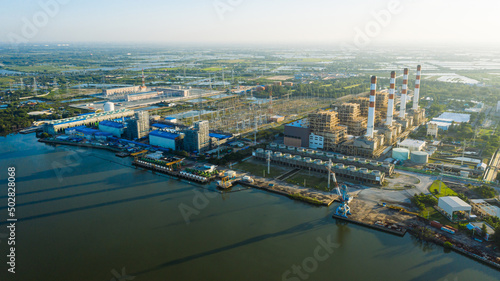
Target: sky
<point>355,22</point>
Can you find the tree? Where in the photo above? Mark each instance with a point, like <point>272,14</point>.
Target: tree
<point>484,230</point>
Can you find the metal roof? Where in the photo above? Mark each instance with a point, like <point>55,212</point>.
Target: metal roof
<point>218,136</point>
<point>454,202</point>
<point>158,125</point>
<point>111,124</point>
<point>166,135</point>
<point>412,143</point>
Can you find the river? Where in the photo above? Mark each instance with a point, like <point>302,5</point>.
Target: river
<point>85,214</point>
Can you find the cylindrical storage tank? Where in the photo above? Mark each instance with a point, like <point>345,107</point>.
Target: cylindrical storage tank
<point>260,150</point>
<point>400,153</point>
<point>287,155</point>
<point>351,168</point>
<point>282,146</point>
<point>318,161</point>
<point>351,158</point>
<point>307,159</point>
<point>419,157</point>
<point>109,106</point>
<point>320,153</point>
<point>291,148</point>
<point>297,157</point>
<point>376,173</point>
<point>363,170</point>
<point>301,149</point>
<point>278,154</point>
<point>310,151</point>
<point>341,157</point>
<point>330,155</point>
<point>274,145</point>
<point>339,166</point>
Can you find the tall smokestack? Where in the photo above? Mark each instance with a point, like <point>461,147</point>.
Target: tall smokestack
<point>402,105</point>
<point>416,95</point>
<point>390,104</point>
<point>371,109</point>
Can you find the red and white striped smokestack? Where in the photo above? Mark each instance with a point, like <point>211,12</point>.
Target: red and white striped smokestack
<point>416,95</point>
<point>402,105</point>
<point>371,109</point>
<point>390,104</point>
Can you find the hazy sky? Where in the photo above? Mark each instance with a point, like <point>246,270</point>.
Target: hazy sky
<point>255,21</point>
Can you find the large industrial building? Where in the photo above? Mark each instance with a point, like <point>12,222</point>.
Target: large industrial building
<point>121,91</point>
<point>138,126</point>
<point>197,138</point>
<point>452,204</point>
<point>364,126</point>
<point>165,139</point>
<point>297,133</point>
<point>142,96</point>
<point>56,126</point>
<point>115,128</point>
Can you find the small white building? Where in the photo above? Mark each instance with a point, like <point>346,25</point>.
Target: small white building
<point>412,145</point>
<point>316,141</point>
<point>432,129</point>
<point>452,204</point>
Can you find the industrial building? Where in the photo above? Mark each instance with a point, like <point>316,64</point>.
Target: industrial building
<point>197,138</point>
<point>55,126</point>
<point>297,133</point>
<point>432,129</point>
<point>385,167</point>
<point>173,92</point>
<point>452,204</point>
<point>165,139</point>
<point>412,145</point>
<point>115,128</point>
<point>326,125</point>
<point>350,116</point>
<point>142,96</point>
<point>318,165</point>
<point>138,126</point>
<point>120,91</point>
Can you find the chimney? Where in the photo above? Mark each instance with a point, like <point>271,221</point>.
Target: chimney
<point>371,109</point>
<point>390,104</point>
<point>402,105</point>
<point>416,95</point>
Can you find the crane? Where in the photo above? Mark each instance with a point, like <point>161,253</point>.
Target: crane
<point>343,210</point>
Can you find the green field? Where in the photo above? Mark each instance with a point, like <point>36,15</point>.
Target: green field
<point>258,169</point>
<point>212,69</point>
<point>434,215</point>
<point>445,191</point>
<point>312,181</point>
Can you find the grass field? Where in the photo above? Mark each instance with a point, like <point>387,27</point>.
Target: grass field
<point>214,68</point>
<point>434,215</point>
<point>312,181</point>
<point>43,68</point>
<point>256,168</point>
<point>445,191</point>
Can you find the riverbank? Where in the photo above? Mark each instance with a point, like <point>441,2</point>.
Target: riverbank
<point>58,142</point>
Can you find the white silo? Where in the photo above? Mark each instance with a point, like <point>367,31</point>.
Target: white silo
<point>109,106</point>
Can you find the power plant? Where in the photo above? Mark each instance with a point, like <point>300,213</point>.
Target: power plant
<point>358,127</point>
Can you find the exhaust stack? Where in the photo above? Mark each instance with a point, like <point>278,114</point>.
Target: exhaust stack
<point>416,95</point>
<point>390,104</point>
<point>371,109</point>
<point>402,105</point>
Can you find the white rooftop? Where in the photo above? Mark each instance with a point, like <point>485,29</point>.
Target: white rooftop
<point>456,117</point>
<point>454,202</point>
<point>412,143</point>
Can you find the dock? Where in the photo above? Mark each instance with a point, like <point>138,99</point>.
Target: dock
<point>389,228</point>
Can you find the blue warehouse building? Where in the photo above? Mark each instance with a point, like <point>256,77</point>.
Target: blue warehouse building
<point>115,128</point>
<point>166,139</point>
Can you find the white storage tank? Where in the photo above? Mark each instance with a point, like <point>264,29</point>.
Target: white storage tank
<point>400,153</point>
<point>419,157</point>
<point>274,145</point>
<point>109,106</point>
<point>291,148</point>
<point>282,146</point>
